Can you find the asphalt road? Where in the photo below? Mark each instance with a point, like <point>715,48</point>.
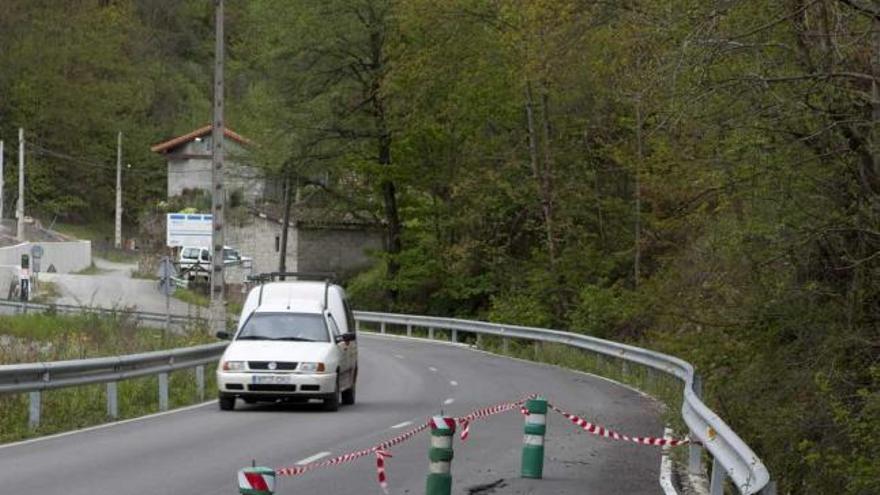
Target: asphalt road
<point>198,451</point>
<point>114,288</point>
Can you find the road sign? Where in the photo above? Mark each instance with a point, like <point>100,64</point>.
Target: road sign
<point>188,229</point>
<point>37,251</point>
<point>166,271</point>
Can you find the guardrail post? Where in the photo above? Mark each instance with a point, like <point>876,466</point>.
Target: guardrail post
<point>163,391</point>
<point>505,345</point>
<point>695,452</point>
<point>409,330</point>
<point>200,381</point>
<point>382,327</point>
<point>533,440</point>
<point>439,477</point>
<point>35,400</point>
<point>112,401</point>
<point>537,349</point>
<point>357,325</point>
<point>716,485</point>
<point>454,337</point>
<point>479,340</point>
<point>431,333</point>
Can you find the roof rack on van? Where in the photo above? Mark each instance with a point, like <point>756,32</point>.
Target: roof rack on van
<point>273,276</point>
<point>262,278</point>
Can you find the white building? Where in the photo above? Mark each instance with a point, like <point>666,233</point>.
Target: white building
<point>189,165</point>
<point>318,239</point>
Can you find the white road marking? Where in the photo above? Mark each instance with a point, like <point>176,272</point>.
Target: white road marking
<point>106,425</point>
<point>448,401</point>
<point>398,356</point>
<point>433,369</point>
<point>311,459</point>
<point>401,425</point>
<point>453,383</point>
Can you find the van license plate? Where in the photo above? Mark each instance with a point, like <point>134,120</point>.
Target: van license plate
<point>271,380</point>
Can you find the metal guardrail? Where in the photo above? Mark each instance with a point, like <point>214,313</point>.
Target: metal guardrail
<point>34,378</point>
<point>731,457</point>
<point>19,307</point>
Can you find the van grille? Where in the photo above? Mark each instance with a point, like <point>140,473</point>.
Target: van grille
<point>266,387</point>
<point>279,365</point>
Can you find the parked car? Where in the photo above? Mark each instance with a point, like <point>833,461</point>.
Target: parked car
<point>295,341</point>
<point>193,255</point>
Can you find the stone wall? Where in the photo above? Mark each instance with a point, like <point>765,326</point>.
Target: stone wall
<point>342,250</point>
<point>337,249</point>
<point>260,238</point>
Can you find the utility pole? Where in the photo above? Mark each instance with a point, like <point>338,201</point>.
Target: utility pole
<point>19,207</point>
<point>1,180</point>
<point>218,193</point>
<point>118,238</point>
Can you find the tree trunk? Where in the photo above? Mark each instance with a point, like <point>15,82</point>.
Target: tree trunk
<point>392,218</point>
<point>547,179</point>
<point>389,190</point>
<point>540,175</point>
<point>285,226</point>
<point>875,96</point>
<point>638,193</point>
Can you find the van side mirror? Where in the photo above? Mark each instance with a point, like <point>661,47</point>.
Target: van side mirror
<point>223,335</point>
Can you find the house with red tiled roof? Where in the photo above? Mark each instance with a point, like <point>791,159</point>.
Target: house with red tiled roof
<point>188,159</point>
<point>320,239</point>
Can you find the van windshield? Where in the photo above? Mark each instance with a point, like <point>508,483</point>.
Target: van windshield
<point>285,326</point>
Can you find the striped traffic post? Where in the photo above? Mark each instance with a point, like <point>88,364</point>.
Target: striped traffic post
<point>439,477</point>
<point>533,441</point>
<point>256,481</point>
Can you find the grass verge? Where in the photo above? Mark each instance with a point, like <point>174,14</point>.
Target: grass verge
<point>191,297</point>
<point>90,270</point>
<point>48,337</point>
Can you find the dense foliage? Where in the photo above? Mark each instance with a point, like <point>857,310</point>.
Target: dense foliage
<point>698,176</point>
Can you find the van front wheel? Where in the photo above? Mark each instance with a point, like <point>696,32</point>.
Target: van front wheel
<point>348,396</point>
<point>332,402</point>
<point>227,402</point>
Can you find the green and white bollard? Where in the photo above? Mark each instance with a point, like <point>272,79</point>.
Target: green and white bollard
<point>256,481</point>
<point>439,476</point>
<point>533,441</point>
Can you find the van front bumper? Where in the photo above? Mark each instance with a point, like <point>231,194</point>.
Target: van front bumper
<point>278,385</point>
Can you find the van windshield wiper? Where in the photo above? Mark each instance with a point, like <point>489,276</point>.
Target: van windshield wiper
<point>295,339</point>
<point>254,337</point>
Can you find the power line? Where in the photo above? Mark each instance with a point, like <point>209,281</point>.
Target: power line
<point>43,151</point>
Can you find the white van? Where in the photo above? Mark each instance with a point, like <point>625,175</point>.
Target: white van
<point>295,341</point>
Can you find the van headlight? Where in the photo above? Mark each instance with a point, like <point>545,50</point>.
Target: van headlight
<point>233,366</point>
<point>311,367</point>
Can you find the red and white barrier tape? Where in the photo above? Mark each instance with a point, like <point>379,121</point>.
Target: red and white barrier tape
<point>465,421</point>
<point>380,451</point>
<point>603,432</point>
